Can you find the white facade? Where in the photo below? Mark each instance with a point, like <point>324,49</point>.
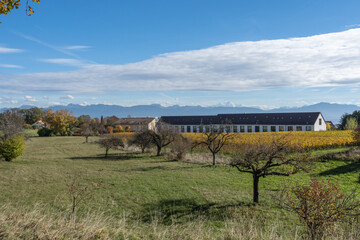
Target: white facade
<point>320,125</point>
<point>255,128</point>
<point>268,122</point>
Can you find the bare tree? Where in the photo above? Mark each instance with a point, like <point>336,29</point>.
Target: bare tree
<point>11,124</point>
<point>163,136</point>
<point>110,143</point>
<point>143,139</point>
<point>214,138</point>
<point>86,131</point>
<point>264,159</point>
<point>78,190</point>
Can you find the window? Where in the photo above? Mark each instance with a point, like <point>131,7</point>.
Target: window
<point>242,128</point>
<point>273,128</point>
<point>188,128</point>
<point>227,129</point>
<point>182,128</point>
<point>265,128</point>
<point>308,128</point>
<point>281,128</point>
<point>299,128</point>
<point>290,128</point>
<point>201,128</point>
<point>176,128</point>
<point>195,129</point>
<point>320,122</point>
<point>257,128</point>
<point>249,128</point>
<point>235,128</point>
<point>207,129</point>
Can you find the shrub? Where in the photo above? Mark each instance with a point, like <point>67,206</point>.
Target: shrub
<point>319,205</point>
<point>46,132</point>
<point>12,148</point>
<point>179,148</point>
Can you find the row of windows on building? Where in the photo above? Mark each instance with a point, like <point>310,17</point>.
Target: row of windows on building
<point>241,128</point>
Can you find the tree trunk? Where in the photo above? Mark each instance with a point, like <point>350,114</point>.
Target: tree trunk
<point>142,149</point>
<point>106,153</point>
<point>256,188</point>
<point>86,139</point>
<point>214,162</point>
<point>158,150</point>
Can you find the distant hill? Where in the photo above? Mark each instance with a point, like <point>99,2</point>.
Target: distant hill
<point>330,111</point>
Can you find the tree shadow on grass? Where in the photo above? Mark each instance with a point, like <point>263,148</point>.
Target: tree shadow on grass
<point>165,160</point>
<point>111,157</point>
<point>351,167</point>
<point>154,168</point>
<point>181,210</point>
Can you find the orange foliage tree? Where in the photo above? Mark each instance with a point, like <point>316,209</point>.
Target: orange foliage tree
<point>110,129</point>
<point>127,128</point>
<point>119,128</point>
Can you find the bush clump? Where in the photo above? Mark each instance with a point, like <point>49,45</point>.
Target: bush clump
<point>46,132</point>
<point>12,148</point>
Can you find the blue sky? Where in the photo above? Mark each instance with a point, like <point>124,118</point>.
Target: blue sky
<point>195,52</point>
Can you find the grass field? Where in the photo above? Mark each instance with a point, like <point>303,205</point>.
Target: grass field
<point>146,197</point>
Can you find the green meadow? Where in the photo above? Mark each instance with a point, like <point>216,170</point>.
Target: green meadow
<point>130,195</point>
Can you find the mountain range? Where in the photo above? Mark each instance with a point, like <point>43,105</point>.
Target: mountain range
<point>331,111</point>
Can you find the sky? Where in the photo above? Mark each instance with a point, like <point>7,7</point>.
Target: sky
<point>190,52</point>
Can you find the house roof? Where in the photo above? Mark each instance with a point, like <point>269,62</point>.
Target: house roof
<point>134,121</point>
<point>39,122</point>
<point>331,123</point>
<point>300,118</point>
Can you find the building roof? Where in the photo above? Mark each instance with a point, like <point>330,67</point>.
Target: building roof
<point>39,122</point>
<point>134,121</point>
<point>299,118</point>
<point>330,123</point>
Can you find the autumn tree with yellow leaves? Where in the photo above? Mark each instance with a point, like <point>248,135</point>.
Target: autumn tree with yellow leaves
<point>61,122</point>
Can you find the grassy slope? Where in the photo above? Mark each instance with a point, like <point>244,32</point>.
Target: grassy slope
<point>143,184</point>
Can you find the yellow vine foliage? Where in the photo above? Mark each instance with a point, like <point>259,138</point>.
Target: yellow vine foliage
<point>304,139</point>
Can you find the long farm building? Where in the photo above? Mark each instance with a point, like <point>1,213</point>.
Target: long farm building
<point>250,122</point>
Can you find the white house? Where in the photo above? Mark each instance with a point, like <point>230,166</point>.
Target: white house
<point>250,122</point>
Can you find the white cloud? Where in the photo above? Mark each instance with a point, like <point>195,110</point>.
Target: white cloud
<point>327,60</point>
<point>65,61</point>
<point>352,26</point>
<point>9,50</point>
<point>76,47</point>
<point>10,66</point>
<point>67,97</point>
<point>30,99</point>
